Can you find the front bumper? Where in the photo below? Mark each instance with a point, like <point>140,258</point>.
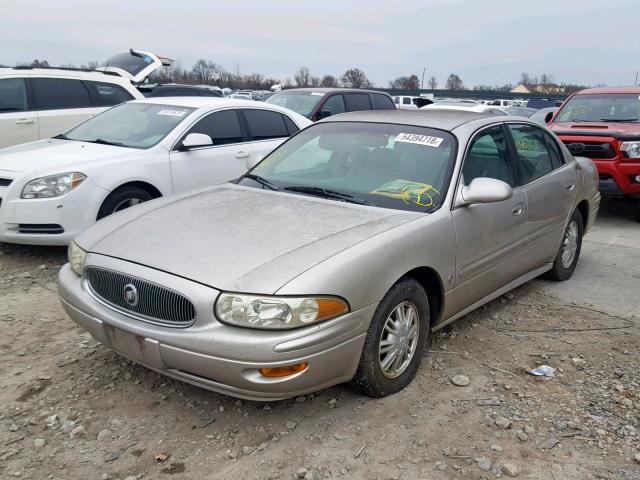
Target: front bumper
<point>72,212</point>
<point>615,177</point>
<point>216,356</point>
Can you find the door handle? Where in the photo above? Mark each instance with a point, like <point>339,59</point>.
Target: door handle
<point>25,121</point>
<point>242,154</point>
<point>517,210</point>
<point>570,186</point>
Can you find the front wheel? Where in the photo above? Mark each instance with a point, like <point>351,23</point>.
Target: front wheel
<point>122,198</point>
<point>395,341</point>
<point>567,257</point>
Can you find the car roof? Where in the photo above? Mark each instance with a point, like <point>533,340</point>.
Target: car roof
<point>432,118</point>
<point>219,102</point>
<point>593,91</point>
<point>329,89</point>
<point>63,72</point>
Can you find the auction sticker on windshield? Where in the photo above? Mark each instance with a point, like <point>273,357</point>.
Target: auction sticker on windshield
<point>419,139</point>
<point>409,192</point>
<point>173,113</point>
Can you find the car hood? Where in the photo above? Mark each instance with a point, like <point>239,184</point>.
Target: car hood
<point>238,238</point>
<point>56,155</point>
<point>605,129</point>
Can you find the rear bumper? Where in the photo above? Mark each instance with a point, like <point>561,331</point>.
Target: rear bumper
<point>220,357</point>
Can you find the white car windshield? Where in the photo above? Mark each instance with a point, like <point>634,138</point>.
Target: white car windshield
<point>386,165</point>
<point>132,125</point>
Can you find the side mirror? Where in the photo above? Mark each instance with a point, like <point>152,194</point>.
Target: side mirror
<point>253,161</point>
<point>195,140</point>
<point>323,114</point>
<point>548,117</point>
<point>484,190</point>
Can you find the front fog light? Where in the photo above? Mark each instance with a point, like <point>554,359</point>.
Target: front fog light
<point>276,312</point>
<point>77,258</point>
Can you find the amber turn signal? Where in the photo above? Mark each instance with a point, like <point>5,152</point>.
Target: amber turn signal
<point>283,371</point>
<point>331,307</point>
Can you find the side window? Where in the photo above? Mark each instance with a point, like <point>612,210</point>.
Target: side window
<point>534,159</point>
<point>356,102</point>
<point>557,158</point>
<point>57,93</point>
<point>264,125</point>
<point>406,101</point>
<point>107,94</point>
<point>291,127</point>
<point>223,127</point>
<point>382,102</point>
<point>13,95</point>
<point>488,157</point>
<point>334,104</point>
<point>396,100</point>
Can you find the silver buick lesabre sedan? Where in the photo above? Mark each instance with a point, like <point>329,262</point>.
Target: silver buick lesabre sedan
<point>334,258</point>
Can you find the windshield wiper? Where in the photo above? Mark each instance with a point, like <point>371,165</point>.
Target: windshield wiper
<point>62,136</point>
<point>619,119</point>
<point>261,180</point>
<point>326,193</point>
<point>102,141</point>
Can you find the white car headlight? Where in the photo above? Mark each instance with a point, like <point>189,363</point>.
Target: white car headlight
<point>53,185</point>
<point>77,258</point>
<point>276,313</point>
<point>632,149</point>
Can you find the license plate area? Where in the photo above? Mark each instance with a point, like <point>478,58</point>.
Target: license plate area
<point>128,344</point>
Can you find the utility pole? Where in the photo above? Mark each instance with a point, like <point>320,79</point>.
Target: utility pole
<point>635,83</point>
<point>424,69</point>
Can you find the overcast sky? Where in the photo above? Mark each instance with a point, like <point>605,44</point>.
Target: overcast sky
<point>483,41</point>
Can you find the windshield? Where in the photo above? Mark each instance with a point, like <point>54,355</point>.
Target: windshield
<point>300,102</point>
<point>133,125</point>
<point>392,166</point>
<point>612,107</point>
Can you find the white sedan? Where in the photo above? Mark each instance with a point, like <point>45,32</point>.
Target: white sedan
<point>50,190</point>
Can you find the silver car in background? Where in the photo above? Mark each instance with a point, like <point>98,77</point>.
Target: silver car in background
<point>335,257</point>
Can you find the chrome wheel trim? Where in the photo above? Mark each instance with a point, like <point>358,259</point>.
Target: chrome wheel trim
<point>570,244</point>
<point>398,340</point>
<point>126,203</point>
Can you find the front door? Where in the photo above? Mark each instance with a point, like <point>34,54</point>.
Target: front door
<point>490,237</point>
<point>225,160</point>
<point>18,124</point>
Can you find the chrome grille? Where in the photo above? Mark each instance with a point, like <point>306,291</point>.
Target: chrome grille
<point>153,303</point>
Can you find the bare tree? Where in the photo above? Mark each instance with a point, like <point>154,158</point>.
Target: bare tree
<point>525,79</point>
<point>303,77</point>
<point>454,82</point>
<point>204,71</point>
<point>411,82</point>
<point>356,78</point>
<point>329,81</point>
<point>432,83</point>
<point>546,78</point>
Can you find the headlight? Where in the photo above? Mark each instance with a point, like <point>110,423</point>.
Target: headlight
<point>53,185</point>
<point>276,312</point>
<point>632,149</point>
<point>77,258</point>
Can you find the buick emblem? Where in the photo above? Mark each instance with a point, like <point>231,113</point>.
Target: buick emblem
<point>576,148</point>
<point>131,295</point>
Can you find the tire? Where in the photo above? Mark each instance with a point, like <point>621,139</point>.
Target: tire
<point>563,268</point>
<point>371,379</point>
<point>121,199</point>
<point>637,210</point>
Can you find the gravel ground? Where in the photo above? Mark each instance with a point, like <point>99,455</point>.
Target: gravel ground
<point>71,409</point>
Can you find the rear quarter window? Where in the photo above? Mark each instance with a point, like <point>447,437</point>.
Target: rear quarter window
<point>382,102</point>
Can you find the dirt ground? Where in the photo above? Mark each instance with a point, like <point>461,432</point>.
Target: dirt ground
<point>71,409</point>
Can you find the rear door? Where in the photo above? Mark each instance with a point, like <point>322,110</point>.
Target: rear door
<point>490,237</point>
<point>224,160</point>
<point>550,185</point>
<point>266,130</point>
<point>62,103</point>
<point>356,102</point>
<point>18,119</point>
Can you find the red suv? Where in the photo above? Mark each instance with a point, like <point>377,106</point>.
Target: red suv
<point>604,125</point>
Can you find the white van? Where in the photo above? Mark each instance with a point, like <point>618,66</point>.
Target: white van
<point>37,103</point>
